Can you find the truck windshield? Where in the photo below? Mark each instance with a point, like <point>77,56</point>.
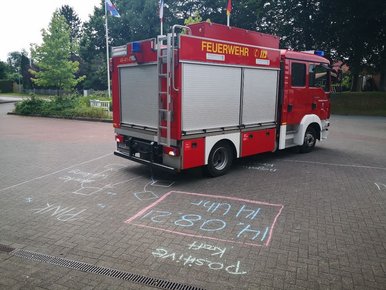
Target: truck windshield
<point>319,76</point>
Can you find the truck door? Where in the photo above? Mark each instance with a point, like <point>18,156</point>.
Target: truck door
<point>299,100</point>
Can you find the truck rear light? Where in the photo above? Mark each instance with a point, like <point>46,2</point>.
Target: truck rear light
<point>172,151</point>
<point>119,138</point>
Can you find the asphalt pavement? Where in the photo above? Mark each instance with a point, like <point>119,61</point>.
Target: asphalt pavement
<point>74,216</point>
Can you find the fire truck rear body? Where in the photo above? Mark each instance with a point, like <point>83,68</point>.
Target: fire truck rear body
<point>213,94</point>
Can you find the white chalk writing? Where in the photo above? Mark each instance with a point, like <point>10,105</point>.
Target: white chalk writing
<point>262,167</point>
<point>217,251</point>
<point>380,186</point>
<point>147,194</point>
<point>62,214</point>
<point>197,260</point>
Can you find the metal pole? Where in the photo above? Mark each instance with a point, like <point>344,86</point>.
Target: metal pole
<point>228,19</point>
<point>161,15</point>
<point>107,53</point>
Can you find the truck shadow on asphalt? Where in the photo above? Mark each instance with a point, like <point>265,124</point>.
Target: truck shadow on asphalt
<point>262,162</point>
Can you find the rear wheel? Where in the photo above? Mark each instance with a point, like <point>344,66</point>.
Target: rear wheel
<point>220,159</point>
<point>309,140</point>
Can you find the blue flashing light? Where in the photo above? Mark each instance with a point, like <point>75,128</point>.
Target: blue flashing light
<point>319,52</point>
<point>136,47</point>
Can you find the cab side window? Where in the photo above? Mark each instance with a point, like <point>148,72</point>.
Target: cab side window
<point>319,77</point>
<point>298,72</point>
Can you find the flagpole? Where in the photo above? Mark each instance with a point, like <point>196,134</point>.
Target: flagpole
<point>229,10</point>
<point>107,53</point>
<point>161,15</point>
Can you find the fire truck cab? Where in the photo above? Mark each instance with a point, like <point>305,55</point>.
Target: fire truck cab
<point>213,93</point>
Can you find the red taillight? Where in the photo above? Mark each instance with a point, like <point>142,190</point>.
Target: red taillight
<point>119,138</point>
<point>172,151</point>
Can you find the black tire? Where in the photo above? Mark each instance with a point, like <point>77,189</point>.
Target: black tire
<point>220,160</point>
<point>309,140</point>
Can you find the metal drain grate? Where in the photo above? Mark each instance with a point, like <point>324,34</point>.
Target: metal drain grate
<point>89,268</point>
<point>7,249</point>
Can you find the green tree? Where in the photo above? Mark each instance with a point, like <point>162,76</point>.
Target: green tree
<point>244,12</point>
<point>19,65</point>
<point>93,50</point>
<point>353,31</point>
<point>74,23</point>
<point>55,69</point>
<point>139,20</point>
<point>4,70</point>
<point>14,64</point>
<point>295,21</point>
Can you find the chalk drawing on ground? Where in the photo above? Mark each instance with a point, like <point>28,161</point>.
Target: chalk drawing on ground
<point>60,213</point>
<point>147,194</point>
<point>201,255</point>
<point>88,184</point>
<point>269,167</point>
<point>93,183</point>
<point>380,186</point>
<point>218,218</point>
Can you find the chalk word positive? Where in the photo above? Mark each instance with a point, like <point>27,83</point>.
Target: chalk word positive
<point>219,218</point>
<point>61,214</point>
<point>189,260</point>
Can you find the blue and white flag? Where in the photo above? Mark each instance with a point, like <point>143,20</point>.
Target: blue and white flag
<point>112,9</point>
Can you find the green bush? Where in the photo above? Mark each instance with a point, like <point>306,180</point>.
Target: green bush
<point>359,103</point>
<point>88,112</point>
<point>31,106</point>
<point>67,107</point>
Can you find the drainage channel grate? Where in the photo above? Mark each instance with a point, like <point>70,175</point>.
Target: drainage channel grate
<point>7,249</point>
<point>85,267</point>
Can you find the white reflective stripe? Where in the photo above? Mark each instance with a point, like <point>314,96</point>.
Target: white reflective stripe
<point>324,133</point>
<point>210,141</point>
<point>283,132</point>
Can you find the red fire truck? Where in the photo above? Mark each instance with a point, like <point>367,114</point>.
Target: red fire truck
<point>212,93</point>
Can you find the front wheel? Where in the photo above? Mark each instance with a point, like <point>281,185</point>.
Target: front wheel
<point>309,140</point>
<point>220,160</point>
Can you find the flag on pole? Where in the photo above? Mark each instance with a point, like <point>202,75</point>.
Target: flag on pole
<point>112,9</point>
<point>229,10</point>
<point>161,9</point>
<point>109,6</point>
<point>229,7</point>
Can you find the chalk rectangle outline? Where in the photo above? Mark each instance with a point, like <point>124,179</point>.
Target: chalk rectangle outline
<point>141,212</point>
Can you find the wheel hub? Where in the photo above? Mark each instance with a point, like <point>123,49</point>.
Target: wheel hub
<point>220,159</point>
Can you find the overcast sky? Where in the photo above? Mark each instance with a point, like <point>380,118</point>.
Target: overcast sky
<point>21,21</point>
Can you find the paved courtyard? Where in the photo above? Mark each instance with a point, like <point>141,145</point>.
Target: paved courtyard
<point>74,216</point>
